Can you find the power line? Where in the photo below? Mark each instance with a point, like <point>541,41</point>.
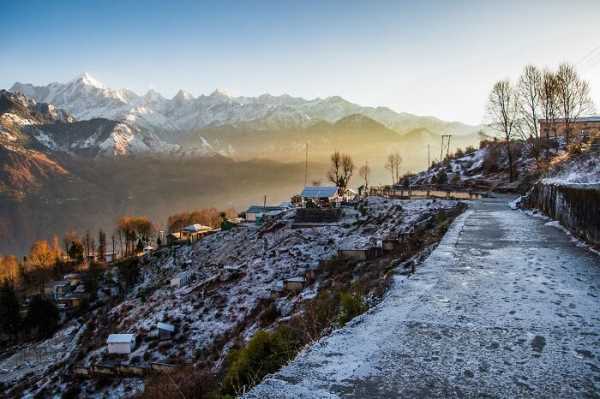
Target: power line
<point>588,55</point>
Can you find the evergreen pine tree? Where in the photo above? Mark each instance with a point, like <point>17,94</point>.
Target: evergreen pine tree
<point>42,316</point>
<point>9,309</point>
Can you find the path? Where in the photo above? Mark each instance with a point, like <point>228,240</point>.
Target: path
<point>505,307</point>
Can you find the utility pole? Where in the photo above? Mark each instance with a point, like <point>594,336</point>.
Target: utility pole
<point>306,168</point>
<point>445,144</point>
<point>428,156</point>
<point>265,202</point>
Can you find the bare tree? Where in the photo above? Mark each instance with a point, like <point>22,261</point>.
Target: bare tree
<point>347,170</point>
<point>503,111</point>
<point>529,89</point>
<point>573,96</point>
<point>393,165</point>
<point>549,100</point>
<point>364,172</point>
<point>340,171</point>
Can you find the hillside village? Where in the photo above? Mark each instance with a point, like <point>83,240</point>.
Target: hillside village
<point>201,292</point>
<point>195,300</point>
<point>216,302</point>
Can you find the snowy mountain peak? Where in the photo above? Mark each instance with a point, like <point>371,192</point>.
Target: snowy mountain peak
<point>183,95</point>
<point>218,93</point>
<point>152,96</point>
<point>88,80</point>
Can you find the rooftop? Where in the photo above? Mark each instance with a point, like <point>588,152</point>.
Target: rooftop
<point>166,327</point>
<point>120,338</point>
<point>195,228</point>
<point>263,209</point>
<point>319,192</point>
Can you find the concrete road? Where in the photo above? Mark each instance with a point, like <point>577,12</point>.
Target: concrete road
<point>505,307</point>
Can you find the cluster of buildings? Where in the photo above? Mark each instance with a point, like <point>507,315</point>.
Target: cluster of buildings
<point>321,197</point>
<point>124,344</point>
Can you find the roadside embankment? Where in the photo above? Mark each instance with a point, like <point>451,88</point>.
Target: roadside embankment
<point>574,205</point>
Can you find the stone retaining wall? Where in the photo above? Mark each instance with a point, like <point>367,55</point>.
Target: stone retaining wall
<point>575,206</point>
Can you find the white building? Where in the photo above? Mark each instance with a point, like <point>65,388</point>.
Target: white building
<point>180,280</point>
<point>121,343</point>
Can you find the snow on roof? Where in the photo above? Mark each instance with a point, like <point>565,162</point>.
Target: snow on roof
<point>319,192</point>
<point>195,228</point>
<point>166,327</point>
<point>120,338</point>
<point>263,209</point>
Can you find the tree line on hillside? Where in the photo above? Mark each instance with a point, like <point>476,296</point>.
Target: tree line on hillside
<point>342,167</point>
<point>25,280</point>
<point>515,109</point>
<point>130,236</point>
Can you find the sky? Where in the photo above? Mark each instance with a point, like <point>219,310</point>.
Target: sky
<point>436,58</point>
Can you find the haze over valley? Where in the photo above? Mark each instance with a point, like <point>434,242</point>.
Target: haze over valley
<point>78,154</point>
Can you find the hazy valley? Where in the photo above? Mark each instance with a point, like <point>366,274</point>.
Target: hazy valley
<point>78,155</point>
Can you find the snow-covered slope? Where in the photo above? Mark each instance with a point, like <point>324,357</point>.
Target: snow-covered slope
<point>584,169</point>
<point>87,98</point>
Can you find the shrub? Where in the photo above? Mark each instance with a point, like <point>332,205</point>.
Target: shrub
<point>442,177</point>
<point>469,150</point>
<point>265,353</point>
<point>185,382</point>
<point>459,153</point>
<point>490,162</point>
<point>42,316</point>
<point>351,305</point>
<point>269,315</point>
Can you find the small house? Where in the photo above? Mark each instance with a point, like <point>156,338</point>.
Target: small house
<point>165,331</point>
<point>293,284</point>
<point>59,290</point>
<point>194,232</point>
<point>360,250</point>
<point>122,344</point>
<point>73,300</point>
<point>72,278</point>
<point>256,212</point>
<point>180,280</point>
<point>325,196</point>
<point>277,289</point>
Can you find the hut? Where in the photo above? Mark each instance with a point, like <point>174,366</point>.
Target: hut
<point>360,250</point>
<point>180,280</point>
<point>256,212</point>
<point>194,232</point>
<point>165,331</point>
<point>293,284</point>
<point>121,343</point>
<point>325,196</point>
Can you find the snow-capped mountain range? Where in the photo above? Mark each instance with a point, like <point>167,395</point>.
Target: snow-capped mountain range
<point>86,98</point>
<point>27,123</point>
